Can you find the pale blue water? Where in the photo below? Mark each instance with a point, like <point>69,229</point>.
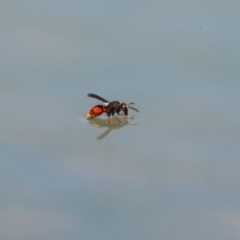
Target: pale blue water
<point>173,173</point>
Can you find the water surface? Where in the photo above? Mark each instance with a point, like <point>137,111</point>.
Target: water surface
<point>172,173</point>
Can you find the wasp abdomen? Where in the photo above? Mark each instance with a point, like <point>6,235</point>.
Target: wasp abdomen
<point>96,111</point>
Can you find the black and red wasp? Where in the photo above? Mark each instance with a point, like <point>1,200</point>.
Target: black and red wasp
<point>110,108</point>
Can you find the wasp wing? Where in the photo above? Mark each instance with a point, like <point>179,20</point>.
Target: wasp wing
<point>92,95</point>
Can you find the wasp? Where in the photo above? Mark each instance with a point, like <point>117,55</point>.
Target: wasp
<point>110,108</point>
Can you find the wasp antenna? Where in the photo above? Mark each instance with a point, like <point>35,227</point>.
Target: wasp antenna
<point>134,109</point>
<point>92,95</point>
<point>131,103</point>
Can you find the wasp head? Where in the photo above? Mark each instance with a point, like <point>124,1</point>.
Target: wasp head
<point>124,108</point>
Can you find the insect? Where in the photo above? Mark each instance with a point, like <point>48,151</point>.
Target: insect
<point>110,108</point>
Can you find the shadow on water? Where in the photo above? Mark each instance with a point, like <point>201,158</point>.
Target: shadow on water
<point>115,125</point>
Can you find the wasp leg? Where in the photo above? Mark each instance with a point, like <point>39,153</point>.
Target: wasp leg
<point>128,117</point>
<point>109,121</point>
<point>118,119</point>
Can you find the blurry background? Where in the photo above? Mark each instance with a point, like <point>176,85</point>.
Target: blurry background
<point>175,175</point>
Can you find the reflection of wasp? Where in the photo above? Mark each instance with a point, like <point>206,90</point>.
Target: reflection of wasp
<point>103,123</point>
<point>110,108</point>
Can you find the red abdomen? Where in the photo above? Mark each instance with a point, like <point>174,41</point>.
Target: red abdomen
<point>96,111</point>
